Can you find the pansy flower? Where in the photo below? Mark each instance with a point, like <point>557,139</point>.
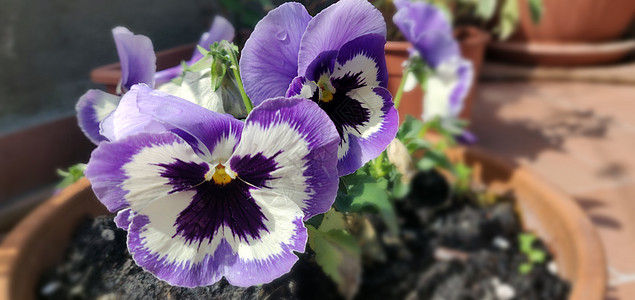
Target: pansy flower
<point>429,30</point>
<point>138,65</point>
<point>337,60</point>
<point>213,196</point>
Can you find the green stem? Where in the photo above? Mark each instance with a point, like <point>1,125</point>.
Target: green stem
<point>397,98</point>
<point>248,105</point>
<point>377,165</point>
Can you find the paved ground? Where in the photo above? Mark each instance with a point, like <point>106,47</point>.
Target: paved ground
<point>581,138</point>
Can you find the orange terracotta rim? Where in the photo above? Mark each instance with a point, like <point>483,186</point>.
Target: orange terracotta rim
<point>397,46</point>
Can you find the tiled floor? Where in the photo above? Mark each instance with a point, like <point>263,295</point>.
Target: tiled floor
<point>581,138</point>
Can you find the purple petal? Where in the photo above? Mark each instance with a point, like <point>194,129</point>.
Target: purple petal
<point>379,131</point>
<point>92,108</point>
<point>300,87</point>
<point>467,138</point>
<point>302,141</point>
<point>426,26</point>
<point>136,56</point>
<point>221,30</point>
<point>203,128</point>
<point>248,272</point>
<point>158,247</point>
<point>124,218</point>
<point>166,75</point>
<point>335,26</point>
<point>126,173</point>
<point>366,140</point>
<point>465,77</point>
<point>269,60</point>
<point>446,89</point>
<point>127,120</point>
<point>371,48</point>
<point>322,65</point>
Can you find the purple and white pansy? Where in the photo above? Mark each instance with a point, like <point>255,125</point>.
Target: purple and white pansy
<point>138,65</point>
<point>446,88</point>
<point>336,59</point>
<point>204,195</point>
<point>209,196</point>
<point>429,30</point>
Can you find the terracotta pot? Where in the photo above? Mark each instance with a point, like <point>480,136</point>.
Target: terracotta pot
<point>570,33</point>
<point>109,75</point>
<point>29,160</point>
<point>576,21</point>
<point>560,55</point>
<point>472,42</point>
<point>40,240</point>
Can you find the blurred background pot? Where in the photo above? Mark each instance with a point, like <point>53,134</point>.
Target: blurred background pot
<point>29,158</point>
<point>580,32</point>
<point>40,240</point>
<point>472,42</point>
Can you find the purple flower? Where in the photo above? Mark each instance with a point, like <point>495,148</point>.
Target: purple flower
<point>430,32</point>
<point>446,89</point>
<point>335,59</point>
<point>138,65</point>
<point>428,29</point>
<point>213,196</point>
<point>136,57</point>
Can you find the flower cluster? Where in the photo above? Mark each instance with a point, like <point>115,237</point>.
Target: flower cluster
<point>204,194</point>
<point>448,76</point>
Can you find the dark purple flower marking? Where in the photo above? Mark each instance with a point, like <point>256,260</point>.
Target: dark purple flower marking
<point>225,203</point>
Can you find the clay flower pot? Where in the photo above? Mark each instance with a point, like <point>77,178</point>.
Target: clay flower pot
<point>472,42</point>
<point>28,173</point>
<point>570,33</point>
<point>39,241</point>
<point>579,21</point>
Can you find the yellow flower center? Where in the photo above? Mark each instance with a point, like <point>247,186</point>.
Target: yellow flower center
<point>221,177</point>
<point>327,96</point>
<point>326,89</point>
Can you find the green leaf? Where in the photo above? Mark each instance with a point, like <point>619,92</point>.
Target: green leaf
<point>525,268</point>
<point>73,174</point>
<point>202,50</point>
<point>333,220</point>
<point>417,144</point>
<point>463,175</point>
<point>427,163</point>
<point>526,242</point>
<point>400,189</point>
<point>485,9</point>
<point>365,191</point>
<point>219,68</point>
<point>536,9</point>
<point>537,256</point>
<point>433,158</point>
<point>410,129</point>
<point>339,255</point>
<point>508,19</point>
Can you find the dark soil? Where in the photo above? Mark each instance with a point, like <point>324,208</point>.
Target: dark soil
<point>447,249</point>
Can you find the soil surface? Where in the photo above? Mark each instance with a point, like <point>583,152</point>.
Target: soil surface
<point>448,248</point>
